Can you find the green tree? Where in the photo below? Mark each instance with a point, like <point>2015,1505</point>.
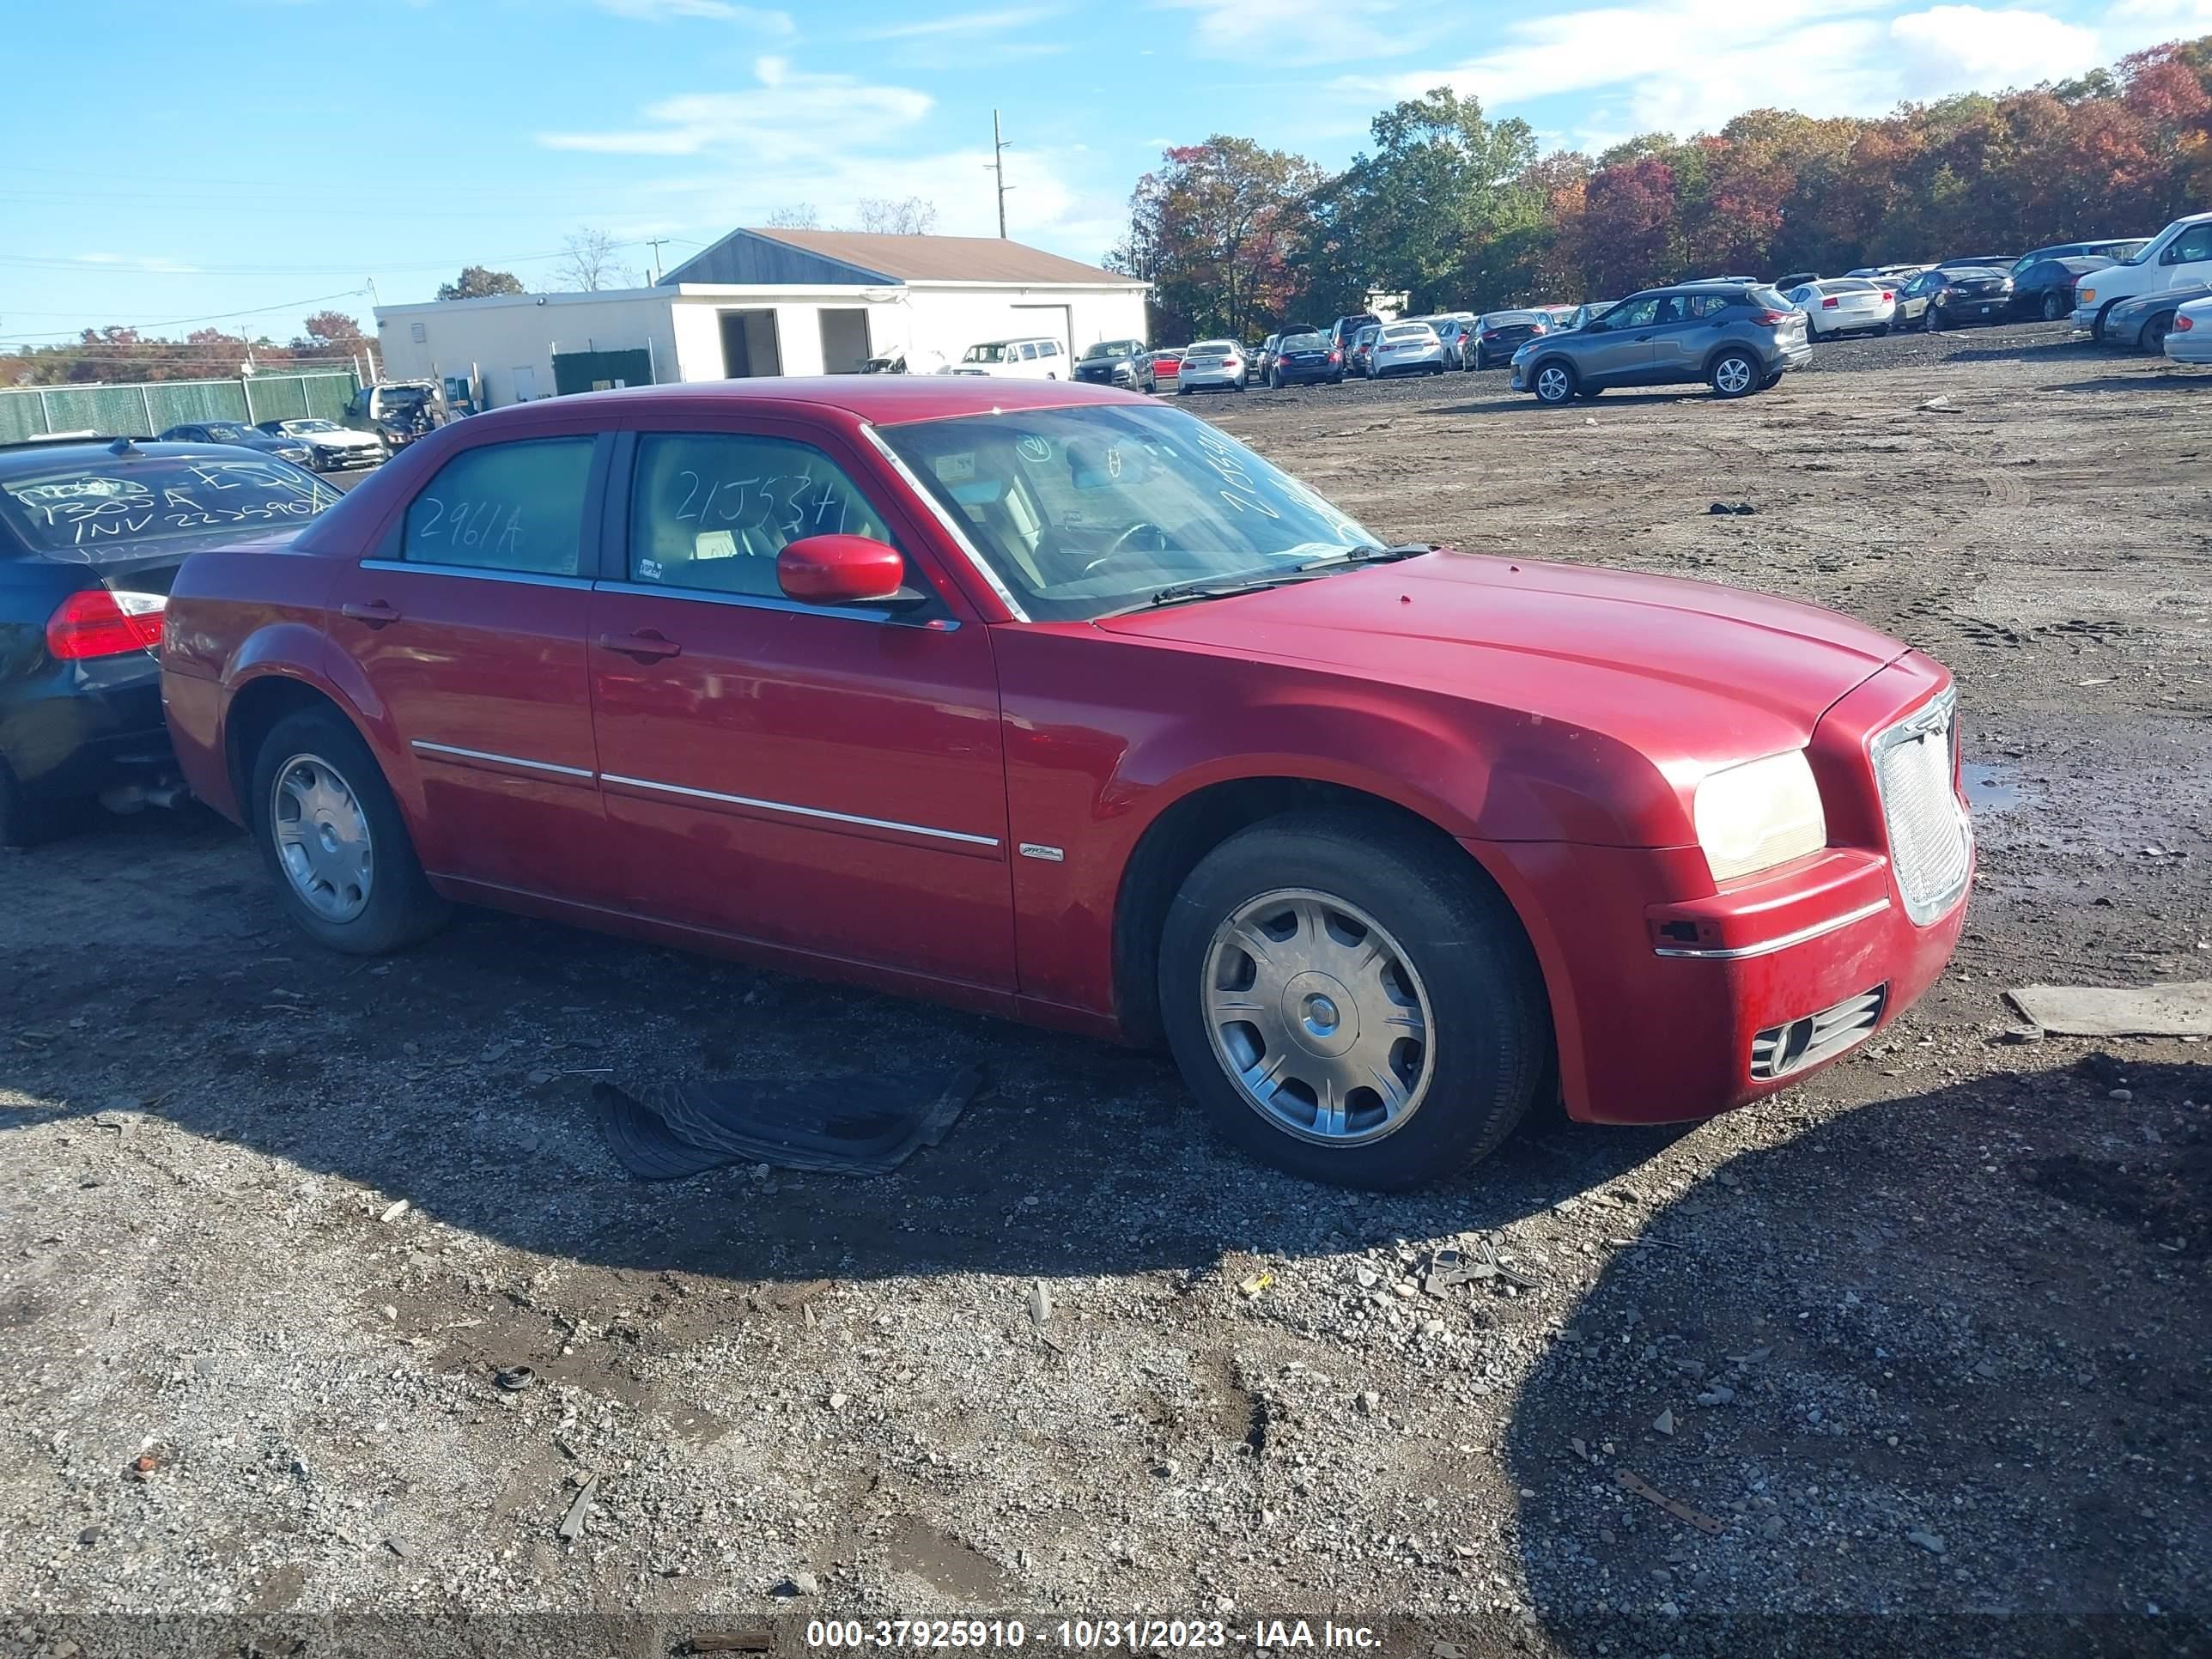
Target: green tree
<point>478,282</point>
<point>1214,228</point>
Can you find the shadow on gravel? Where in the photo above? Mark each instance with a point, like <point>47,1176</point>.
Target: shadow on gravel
<point>1941,1356</point>
<point>2162,380</point>
<point>456,1075</point>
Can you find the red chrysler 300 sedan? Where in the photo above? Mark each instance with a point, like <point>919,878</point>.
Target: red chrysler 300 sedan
<point>1051,701</point>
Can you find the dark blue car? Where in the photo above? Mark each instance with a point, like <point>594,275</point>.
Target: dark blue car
<point>91,535</point>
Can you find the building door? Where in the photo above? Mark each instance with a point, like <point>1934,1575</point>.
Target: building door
<point>844,340</point>
<point>1051,322</point>
<point>749,344</point>
<point>524,376</point>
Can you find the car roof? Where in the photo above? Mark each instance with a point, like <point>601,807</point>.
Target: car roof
<point>18,458</point>
<point>883,399</point>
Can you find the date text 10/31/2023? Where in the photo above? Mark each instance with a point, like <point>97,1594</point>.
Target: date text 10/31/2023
<point>1133,1635</point>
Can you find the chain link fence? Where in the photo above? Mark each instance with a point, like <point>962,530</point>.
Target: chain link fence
<point>150,407</point>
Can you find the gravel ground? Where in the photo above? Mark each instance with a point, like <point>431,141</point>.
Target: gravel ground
<point>1925,1336</point>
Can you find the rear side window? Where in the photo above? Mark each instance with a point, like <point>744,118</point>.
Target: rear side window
<point>1050,349</point>
<point>1769,298</point>
<point>505,506</point>
<point>710,511</point>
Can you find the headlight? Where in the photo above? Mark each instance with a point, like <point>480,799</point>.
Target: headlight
<point>2085,295</point>
<point>1756,816</point>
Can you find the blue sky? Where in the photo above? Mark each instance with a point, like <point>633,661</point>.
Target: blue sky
<point>275,156</point>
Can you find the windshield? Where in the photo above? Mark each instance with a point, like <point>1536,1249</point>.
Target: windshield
<point>227,432</point>
<point>77,510</point>
<point>1112,348</point>
<point>1084,511</point>
<point>993,353</point>
<point>295,427</point>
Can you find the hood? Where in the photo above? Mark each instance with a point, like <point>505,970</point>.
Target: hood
<point>1691,675</point>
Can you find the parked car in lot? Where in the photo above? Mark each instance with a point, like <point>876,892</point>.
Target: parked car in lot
<point>1887,273</point>
<point>1346,331</point>
<point>1214,365</point>
<point>1456,334</point>
<point>2045,287</point>
<point>1498,334</point>
<point>1306,360</point>
<point>1408,349</point>
<point>1587,311</point>
<point>238,435</point>
<point>1837,305</point>
<point>399,412</point>
<point>2113,249</point>
<point>2178,255</point>
<point>1116,363</point>
<point>1052,701</point>
<point>1167,363</point>
<point>329,445</point>
<point>1952,297</point>
<point>2189,340</point>
<point>90,536</point>
<point>1738,338</point>
<point>2143,324</point>
<point>1033,357</point>
<point>1360,360</point>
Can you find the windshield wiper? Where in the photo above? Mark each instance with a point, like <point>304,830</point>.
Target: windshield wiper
<point>1372,555</point>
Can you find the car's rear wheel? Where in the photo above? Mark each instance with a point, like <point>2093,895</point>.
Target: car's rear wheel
<point>2152,338</point>
<point>1554,383</point>
<point>2053,307</point>
<point>1734,374</point>
<point>332,833</point>
<point>1353,1001</point>
<point>1932,320</point>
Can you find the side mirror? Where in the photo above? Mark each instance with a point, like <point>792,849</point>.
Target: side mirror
<point>843,570</point>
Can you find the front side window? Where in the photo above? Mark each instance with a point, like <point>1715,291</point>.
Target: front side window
<point>1084,511</point>
<point>1633,314</point>
<point>2192,245</point>
<point>996,352</point>
<point>514,507</point>
<point>709,511</point>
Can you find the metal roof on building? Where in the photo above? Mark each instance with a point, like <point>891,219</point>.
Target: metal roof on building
<point>840,257</point>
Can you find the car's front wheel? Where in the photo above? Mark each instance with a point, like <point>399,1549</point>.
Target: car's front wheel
<point>1353,1001</point>
<point>1932,320</point>
<point>1734,374</point>
<point>1554,383</point>
<point>2153,338</point>
<point>332,832</point>
<point>2053,307</point>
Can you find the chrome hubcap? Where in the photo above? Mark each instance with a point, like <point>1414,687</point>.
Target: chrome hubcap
<point>1553,383</point>
<point>322,837</point>
<point>1734,374</point>
<point>1318,1016</point>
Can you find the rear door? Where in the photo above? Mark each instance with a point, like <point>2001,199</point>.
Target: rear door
<point>469,627</point>
<point>820,779</point>
<point>1682,331</point>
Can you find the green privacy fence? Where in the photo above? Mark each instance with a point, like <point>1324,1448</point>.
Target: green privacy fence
<point>152,406</point>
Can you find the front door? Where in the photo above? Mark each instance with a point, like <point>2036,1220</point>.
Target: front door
<point>827,779</point>
<point>1621,353</point>
<point>469,628</point>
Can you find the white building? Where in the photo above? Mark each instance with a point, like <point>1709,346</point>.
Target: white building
<point>765,302</point>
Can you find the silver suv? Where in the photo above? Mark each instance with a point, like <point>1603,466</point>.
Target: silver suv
<point>1738,338</point>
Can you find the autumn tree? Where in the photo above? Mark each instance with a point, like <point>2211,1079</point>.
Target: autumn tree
<point>478,282</point>
<point>1214,229</point>
<point>328,334</point>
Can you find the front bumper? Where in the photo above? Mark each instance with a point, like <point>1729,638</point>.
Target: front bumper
<point>1672,1009</point>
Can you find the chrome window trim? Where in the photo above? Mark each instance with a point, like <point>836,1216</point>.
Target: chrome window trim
<point>821,813</point>
<point>1768,947</point>
<point>946,522</point>
<point>525,578</point>
<point>423,745</point>
<point>769,602</point>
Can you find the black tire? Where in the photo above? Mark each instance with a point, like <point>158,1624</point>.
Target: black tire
<point>401,907</point>
<point>2153,338</point>
<point>2053,307</point>
<point>1722,375</point>
<point>1589,392</point>
<point>1932,320</point>
<point>1337,378</point>
<point>1489,1036</point>
<point>2097,324</point>
<point>1275,382</point>
<point>1770,381</point>
<point>1563,392</point>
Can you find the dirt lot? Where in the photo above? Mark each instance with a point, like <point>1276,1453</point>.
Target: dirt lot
<point>1927,1335</point>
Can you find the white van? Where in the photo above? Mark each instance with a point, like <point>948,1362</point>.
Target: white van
<point>2180,254</point>
<point>1033,357</point>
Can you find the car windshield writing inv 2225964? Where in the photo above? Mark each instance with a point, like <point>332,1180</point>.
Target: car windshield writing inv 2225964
<point>85,510</point>
<point>1082,512</point>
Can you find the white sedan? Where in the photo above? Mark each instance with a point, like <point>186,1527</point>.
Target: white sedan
<point>1408,348</point>
<point>2190,339</point>
<point>1837,305</point>
<point>1217,363</point>
<point>329,445</point>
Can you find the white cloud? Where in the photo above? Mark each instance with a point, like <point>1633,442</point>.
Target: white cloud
<point>968,22</point>
<point>723,11</point>
<point>1298,31</point>
<point>783,121</point>
<point>1950,49</point>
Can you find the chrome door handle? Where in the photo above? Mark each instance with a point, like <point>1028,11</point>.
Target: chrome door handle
<point>644,646</point>
<point>376,612</point>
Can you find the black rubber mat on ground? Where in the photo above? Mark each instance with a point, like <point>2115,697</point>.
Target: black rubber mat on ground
<point>842,1126</point>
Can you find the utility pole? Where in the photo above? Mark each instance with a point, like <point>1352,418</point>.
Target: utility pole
<point>655,242</point>
<point>999,166</point>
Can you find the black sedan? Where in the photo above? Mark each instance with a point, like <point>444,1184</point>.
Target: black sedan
<point>1951,296</point>
<point>1305,360</point>
<point>91,535</point>
<point>2045,287</point>
<point>245,437</point>
<point>1116,363</point>
<point>1499,334</point>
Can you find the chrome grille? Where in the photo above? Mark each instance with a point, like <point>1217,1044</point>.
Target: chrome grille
<point>1931,840</point>
<point>1781,1050</point>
